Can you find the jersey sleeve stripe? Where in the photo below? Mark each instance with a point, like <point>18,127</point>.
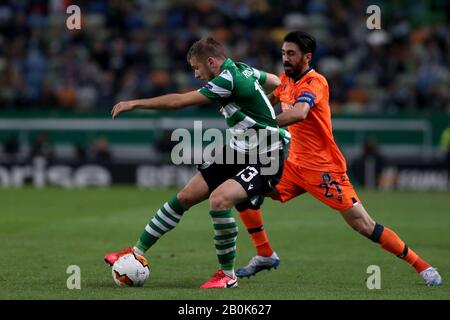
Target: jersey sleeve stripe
<point>261,76</point>
<point>215,89</point>
<point>257,73</point>
<point>245,123</point>
<point>236,117</point>
<point>224,81</point>
<point>229,110</point>
<point>221,91</point>
<point>208,93</point>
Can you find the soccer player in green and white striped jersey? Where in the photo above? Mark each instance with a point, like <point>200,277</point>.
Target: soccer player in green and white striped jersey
<point>250,117</point>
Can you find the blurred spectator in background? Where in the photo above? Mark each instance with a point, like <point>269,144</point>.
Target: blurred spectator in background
<point>368,167</point>
<point>132,49</point>
<point>164,144</point>
<point>101,151</point>
<point>11,148</point>
<point>445,145</point>
<point>42,147</point>
<point>81,154</point>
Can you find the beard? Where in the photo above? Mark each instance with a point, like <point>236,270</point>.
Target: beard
<point>291,71</point>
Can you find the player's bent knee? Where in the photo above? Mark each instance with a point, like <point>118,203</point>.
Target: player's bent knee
<point>219,201</point>
<point>186,198</point>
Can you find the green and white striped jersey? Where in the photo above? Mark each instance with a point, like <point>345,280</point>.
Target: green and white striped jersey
<point>245,106</point>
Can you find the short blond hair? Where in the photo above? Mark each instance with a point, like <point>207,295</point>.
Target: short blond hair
<point>206,47</point>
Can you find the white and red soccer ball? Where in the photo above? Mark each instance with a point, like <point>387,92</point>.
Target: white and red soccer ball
<point>130,270</point>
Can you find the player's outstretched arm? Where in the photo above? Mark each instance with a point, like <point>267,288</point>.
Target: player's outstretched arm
<point>296,114</point>
<point>165,102</point>
<point>271,83</point>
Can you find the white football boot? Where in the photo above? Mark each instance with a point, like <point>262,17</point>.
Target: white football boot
<point>431,277</point>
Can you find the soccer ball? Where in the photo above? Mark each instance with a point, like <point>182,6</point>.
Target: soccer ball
<point>130,270</point>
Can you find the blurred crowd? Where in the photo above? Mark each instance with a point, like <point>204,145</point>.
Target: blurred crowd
<point>134,49</point>
<point>13,151</point>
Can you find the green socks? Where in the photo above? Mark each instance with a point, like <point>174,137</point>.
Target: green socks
<point>225,234</point>
<point>165,220</point>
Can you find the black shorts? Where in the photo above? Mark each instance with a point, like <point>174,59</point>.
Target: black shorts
<point>256,175</point>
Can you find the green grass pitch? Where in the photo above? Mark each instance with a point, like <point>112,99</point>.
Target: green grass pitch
<point>42,232</point>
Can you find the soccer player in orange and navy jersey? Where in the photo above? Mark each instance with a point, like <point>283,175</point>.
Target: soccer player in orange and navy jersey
<point>315,163</point>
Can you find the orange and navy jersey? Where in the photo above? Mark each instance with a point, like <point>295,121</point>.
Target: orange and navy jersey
<point>312,142</point>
